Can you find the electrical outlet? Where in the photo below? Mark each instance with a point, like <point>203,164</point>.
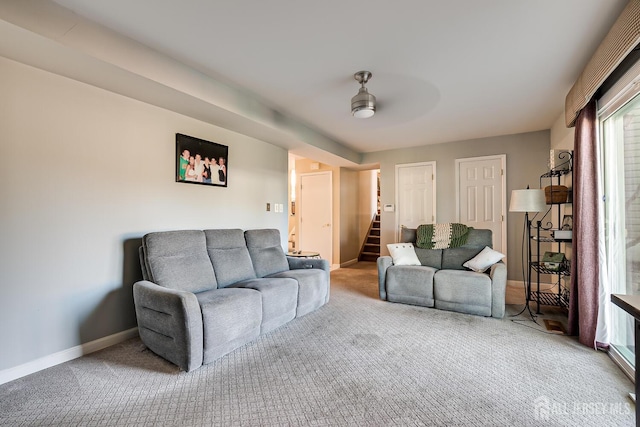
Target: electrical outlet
<point>268,207</point>
<point>276,209</point>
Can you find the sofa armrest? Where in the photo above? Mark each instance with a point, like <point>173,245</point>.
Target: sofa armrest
<point>384,262</point>
<point>498,276</point>
<point>296,263</point>
<point>170,323</point>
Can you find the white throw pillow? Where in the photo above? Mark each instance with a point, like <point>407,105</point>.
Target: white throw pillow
<point>403,254</point>
<point>485,259</point>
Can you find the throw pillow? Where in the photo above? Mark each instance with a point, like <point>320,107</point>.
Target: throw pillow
<point>403,254</point>
<point>485,259</point>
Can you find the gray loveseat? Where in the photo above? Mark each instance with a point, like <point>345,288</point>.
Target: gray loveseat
<point>442,282</point>
<point>209,292</point>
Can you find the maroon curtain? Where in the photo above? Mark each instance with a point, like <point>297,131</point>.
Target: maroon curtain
<point>583,301</point>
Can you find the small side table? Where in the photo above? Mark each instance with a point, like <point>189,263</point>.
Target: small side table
<point>304,254</point>
<point>631,304</point>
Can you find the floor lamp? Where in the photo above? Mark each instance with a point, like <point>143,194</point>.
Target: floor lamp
<point>528,200</point>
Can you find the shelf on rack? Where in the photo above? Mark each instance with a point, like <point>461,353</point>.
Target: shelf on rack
<point>544,239</point>
<point>552,173</point>
<point>565,269</point>
<point>552,298</point>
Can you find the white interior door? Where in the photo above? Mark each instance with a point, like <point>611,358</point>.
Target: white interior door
<point>315,207</point>
<point>415,195</point>
<point>481,198</point>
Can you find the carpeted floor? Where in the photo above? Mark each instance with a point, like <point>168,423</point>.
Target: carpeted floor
<point>357,361</point>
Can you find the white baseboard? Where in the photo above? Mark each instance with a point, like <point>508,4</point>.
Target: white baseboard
<point>348,263</point>
<point>334,267</point>
<point>54,359</point>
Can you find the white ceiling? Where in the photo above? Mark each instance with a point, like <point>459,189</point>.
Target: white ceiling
<point>442,70</point>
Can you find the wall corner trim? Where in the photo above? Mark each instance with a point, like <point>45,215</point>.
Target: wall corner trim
<point>54,359</point>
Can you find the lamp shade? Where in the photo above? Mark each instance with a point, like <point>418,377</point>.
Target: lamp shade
<point>363,105</point>
<point>529,200</point>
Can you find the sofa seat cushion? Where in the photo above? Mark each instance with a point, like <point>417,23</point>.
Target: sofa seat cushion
<point>230,319</point>
<point>410,284</point>
<point>463,291</point>
<point>279,300</point>
<point>312,288</point>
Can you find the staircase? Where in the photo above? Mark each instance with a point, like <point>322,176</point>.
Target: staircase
<point>371,248</point>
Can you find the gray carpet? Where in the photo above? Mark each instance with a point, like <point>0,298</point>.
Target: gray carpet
<point>357,361</point>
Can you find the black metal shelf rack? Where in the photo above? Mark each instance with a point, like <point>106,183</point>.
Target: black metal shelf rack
<point>541,233</point>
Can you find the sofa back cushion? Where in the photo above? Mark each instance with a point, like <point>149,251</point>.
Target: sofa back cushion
<point>428,257</point>
<point>229,256</point>
<point>266,251</point>
<point>178,260</point>
<point>453,258</point>
<point>408,235</point>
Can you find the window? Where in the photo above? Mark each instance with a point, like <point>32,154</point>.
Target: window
<point>620,159</point>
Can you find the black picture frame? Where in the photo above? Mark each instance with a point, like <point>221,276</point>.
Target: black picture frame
<point>200,159</point>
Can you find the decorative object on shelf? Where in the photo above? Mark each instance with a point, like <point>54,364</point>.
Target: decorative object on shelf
<point>553,260</point>
<point>555,194</point>
<point>566,229</point>
<point>528,200</point>
<point>363,105</point>
<point>562,235</point>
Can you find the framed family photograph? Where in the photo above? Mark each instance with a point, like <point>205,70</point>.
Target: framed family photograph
<point>201,162</point>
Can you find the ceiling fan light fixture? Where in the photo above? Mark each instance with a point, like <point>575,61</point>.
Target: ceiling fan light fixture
<point>363,105</point>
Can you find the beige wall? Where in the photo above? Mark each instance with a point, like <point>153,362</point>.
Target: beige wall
<point>527,158</point>
<point>353,199</point>
<point>367,192</point>
<point>349,206</point>
<point>85,174</point>
<point>561,136</point>
<point>305,166</point>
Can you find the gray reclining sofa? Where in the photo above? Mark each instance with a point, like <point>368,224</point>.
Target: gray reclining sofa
<point>209,292</point>
<point>442,282</point>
